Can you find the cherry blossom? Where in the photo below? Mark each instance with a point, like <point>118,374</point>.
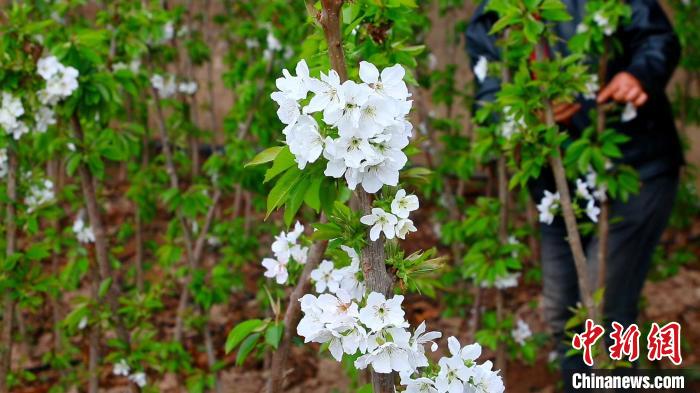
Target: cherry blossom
<point>277,269</point>
<point>521,332</point>
<point>380,221</point>
<point>547,207</point>
<point>381,312</point>
<point>84,233</point>
<point>403,204</point>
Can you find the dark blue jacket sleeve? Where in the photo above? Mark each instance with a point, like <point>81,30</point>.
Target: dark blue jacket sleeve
<point>481,43</point>
<point>651,46</point>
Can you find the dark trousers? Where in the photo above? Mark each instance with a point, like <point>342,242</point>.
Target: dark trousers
<point>635,230</point>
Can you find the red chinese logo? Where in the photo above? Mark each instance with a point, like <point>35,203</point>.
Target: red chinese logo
<point>587,340</point>
<point>625,342</point>
<point>665,342</point>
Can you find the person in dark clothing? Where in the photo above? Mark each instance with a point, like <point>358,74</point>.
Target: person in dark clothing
<point>637,75</point>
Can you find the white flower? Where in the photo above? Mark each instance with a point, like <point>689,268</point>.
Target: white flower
<point>521,332</point>
<point>168,31</point>
<point>419,339</point>
<point>121,368</point>
<point>547,207</point>
<point>188,88</point>
<point>582,189</point>
<point>379,312</point>
<point>82,232</point>
<point>295,87</point>
<point>403,204</point>
<point>592,211</point>
<point>138,378</point>
<point>323,277</point>
<point>468,353</point>
<point>485,380</point>
<point>44,118</point>
<point>285,242</point>
<point>328,95</point>
<point>376,173</point>
<point>504,282</point>
<point>39,195</point>
<point>592,87</point>
<point>166,87</point>
<point>403,227</point>
<point>418,385</point>
<point>19,130</point>
<point>347,276</point>
<point>47,67</point>
<point>390,83</point>
<point>3,162</point>
<point>82,323</point>
<point>62,84</point>
<point>288,111</point>
<point>277,269</point>
<point>629,113</point>
<point>387,351</point>
<point>481,68</point>
<point>304,141</point>
<point>273,43</point>
<point>380,221</point>
<point>347,118</point>
<point>581,28</point>
<point>452,375</point>
<point>603,22</point>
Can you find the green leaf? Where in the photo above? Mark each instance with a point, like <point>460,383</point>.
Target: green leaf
<point>295,200</point>
<point>104,287</point>
<point>273,334</point>
<point>280,192</point>
<point>312,197</point>
<point>246,348</point>
<point>37,252</point>
<point>283,161</point>
<point>265,156</point>
<point>240,332</point>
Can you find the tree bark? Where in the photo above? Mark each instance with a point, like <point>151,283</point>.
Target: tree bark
<point>376,276</point>
<point>11,246</point>
<point>87,183</point>
<point>573,235</point>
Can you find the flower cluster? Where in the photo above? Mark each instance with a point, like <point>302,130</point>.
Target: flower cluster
<point>363,128</point>
<point>521,332</point>
<point>510,125</point>
<point>587,191</point>
<point>122,368</point>
<point>285,248</point>
<point>548,207</point>
<point>506,281</point>
<point>604,23</point>
<point>167,86</point>
<point>84,233</point>
<point>3,162</point>
<point>61,81</point>
<point>380,333</point>
<point>39,194</point>
<point>342,280</point>
<point>11,109</point>
<point>395,223</point>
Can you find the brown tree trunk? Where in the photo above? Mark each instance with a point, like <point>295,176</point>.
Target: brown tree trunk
<point>87,183</point>
<point>573,235</point>
<point>11,246</point>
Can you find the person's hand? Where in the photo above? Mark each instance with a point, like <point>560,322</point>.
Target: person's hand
<point>563,112</point>
<point>624,88</point>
